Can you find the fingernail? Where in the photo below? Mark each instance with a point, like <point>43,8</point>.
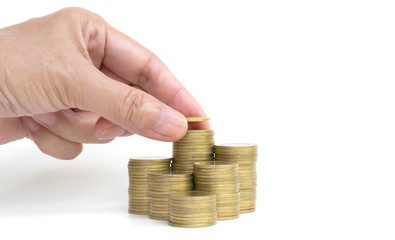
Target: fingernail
<point>31,124</point>
<point>171,123</point>
<point>111,132</point>
<point>46,118</point>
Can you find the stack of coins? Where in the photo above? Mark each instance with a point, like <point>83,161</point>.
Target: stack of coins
<point>195,146</point>
<point>223,180</point>
<point>159,187</point>
<point>138,180</point>
<point>245,154</point>
<point>192,209</point>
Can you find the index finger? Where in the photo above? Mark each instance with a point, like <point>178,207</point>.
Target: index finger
<point>137,65</point>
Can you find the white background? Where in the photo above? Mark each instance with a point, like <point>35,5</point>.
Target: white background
<point>311,82</point>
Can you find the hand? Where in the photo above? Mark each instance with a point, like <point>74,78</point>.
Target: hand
<point>70,78</point>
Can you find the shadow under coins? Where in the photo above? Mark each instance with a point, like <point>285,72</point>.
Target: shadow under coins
<point>56,190</point>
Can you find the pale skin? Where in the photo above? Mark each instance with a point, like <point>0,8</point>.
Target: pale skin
<point>70,78</point>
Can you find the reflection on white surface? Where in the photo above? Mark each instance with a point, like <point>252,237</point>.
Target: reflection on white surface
<point>49,186</point>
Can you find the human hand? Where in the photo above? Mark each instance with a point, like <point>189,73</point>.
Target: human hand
<point>73,59</point>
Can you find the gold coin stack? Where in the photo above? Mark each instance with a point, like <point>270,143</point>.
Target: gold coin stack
<point>138,181</point>
<point>160,185</point>
<point>195,146</point>
<point>245,154</point>
<point>223,180</point>
<point>192,209</point>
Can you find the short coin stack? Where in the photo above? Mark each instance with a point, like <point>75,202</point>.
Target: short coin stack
<point>245,155</point>
<point>138,180</point>
<point>195,146</point>
<point>160,185</point>
<point>223,180</point>
<point>192,209</point>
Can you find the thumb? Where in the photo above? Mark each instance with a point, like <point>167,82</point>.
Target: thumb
<point>132,109</point>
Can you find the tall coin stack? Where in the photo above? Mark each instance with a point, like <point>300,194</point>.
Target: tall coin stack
<point>223,180</point>
<point>245,155</point>
<point>192,209</point>
<point>138,181</point>
<point>195,146</point>
<point>159,187</point>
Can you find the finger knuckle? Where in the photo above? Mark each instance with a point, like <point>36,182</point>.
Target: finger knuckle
<point>133,101</point>
<point>151,70</point>
<point>73,11</point>
<point>65,81</point>
<point>78,15</point>
<point>141,110</point>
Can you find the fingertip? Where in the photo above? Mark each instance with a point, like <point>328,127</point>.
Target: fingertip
<point>182,132</point>
<point>72,154</point>
<point>171,125</point>
<point>51,144</point>
<point>69,152</point>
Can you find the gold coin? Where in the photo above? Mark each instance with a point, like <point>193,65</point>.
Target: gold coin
<point>195,217</point>
<point>236,145</point>
<point>198,215</point>
<point>242,157</point>
<point>138,211</point>
<point>195,148</point>
<point>200,131</point>
<point>192,225</point>
<point>217,165</point>
<point>150,158</point>
<point>228,217</point>
<point>247,210</point>
<point>197,119</point>
<point>192,195</point>
<point>247,200</point>
<point>217,189</point>
<point>189,154</point>
<point>158,216</point>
